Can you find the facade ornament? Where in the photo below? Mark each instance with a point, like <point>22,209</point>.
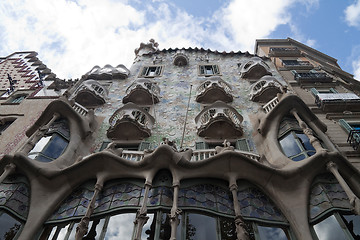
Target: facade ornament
<point>227,147</point>
<point>113,148</point>
<point>354,200</point>
<point>168,142</point>
<point>82,227</point>
<point>175,212</point>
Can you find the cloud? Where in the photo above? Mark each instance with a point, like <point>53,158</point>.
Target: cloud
<point>352,14</point>
<point>354,61</point>
<point>73,36</point>
<point>356,68</point>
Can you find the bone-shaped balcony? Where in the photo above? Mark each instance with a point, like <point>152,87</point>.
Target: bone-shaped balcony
<point>90,93</point>
<point>130,122</point>
<point>142,92</point>
<point>255,68</point>
<point>213,89</point>
<point>219,121</point>
<point>265,89</point>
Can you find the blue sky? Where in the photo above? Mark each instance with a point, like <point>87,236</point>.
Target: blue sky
<point>72,36</point>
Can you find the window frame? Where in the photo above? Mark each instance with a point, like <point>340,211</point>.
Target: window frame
<point>5,123</point>
<point>214,68</point>
<point>146,71</point>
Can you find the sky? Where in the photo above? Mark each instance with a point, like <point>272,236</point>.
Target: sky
<point>72,36</point>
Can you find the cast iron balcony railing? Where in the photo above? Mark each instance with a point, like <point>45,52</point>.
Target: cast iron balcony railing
<point>142,92</point>
<point>354,138</point>
<point>130,122</point>
<point>338,102</point>
<point>219,121</point>
<point>312,77</point>
<point>265,89</point>
<point>295,64</point>
<point>213,89</point>
<point>284,51</point>
<point>90,93</point>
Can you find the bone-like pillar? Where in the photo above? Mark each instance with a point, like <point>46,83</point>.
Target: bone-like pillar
<point>141,217</point>
<point>307,131</point>
<point>9,169</point>
<point>354,200</point>
<point>175,212</point>
<point>241,232</point>
<point>39,133</point>
<point>82,227</point>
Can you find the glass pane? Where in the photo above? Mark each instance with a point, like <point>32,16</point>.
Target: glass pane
<point>227,229</point>
<point>200,227</point>
<point>63,232</point>
<point>179,229</point>
<point>165,227</point>
<point>299,158</point>
<point>271,233</point>
<point>289,145</point>
<point>149,228</point>
<point>120,227</point>
<point>9,226</point>
<point>55,147</point>
<point>352,223</point>
<point>329,229</point>
<point>39,146</point>
<point>305,141</point>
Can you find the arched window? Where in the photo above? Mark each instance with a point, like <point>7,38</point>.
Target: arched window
<point>53,143</point>
<point>330,211</point>
<point>294,143</point>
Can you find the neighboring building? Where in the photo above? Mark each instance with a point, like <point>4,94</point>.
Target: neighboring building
<point>193,144</point>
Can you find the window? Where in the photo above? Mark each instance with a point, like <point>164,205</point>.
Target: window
<point>53,143</point>
<point>294,143</point>
<point>18,98</point>
<point>5,123</point>
<point>151,71</point>
<point>316,91</point>
<point>353,129</point>
<point>209,70</point>
<point>338,226</point>
<point>9,226</point>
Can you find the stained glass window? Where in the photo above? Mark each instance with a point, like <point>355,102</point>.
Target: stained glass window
<point>15,195</point>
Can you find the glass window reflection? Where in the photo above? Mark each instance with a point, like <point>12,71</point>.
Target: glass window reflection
<point>271,233</point>
<point>9,226</point>
<point>120,227</point>
<point>329,229</point>
<point>200,227</point>
<point>352,223</point>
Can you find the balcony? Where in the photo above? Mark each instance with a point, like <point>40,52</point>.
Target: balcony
<point>213,89</point>
<point>90,93</point>
<point>219,121</point>
<point>338,102</point>
<point>354,139</point>
<point>265,89</point>
<point>311,77</point>
<point>130,122</point>
<point>108,72</point>
<point>284,52</point>
<point>203,154</point>
<point>142,92</point>
<point>297,65</point>
<point>255,68</point>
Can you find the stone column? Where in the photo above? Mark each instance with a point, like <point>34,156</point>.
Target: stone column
<point>308,132</point>
<point>9,169</point>
<point>354,200</point>
<point>141,217</point>
<point>82,227</point>
<point>38,134</point>
<point>241,232</point>
<point>175,212</point>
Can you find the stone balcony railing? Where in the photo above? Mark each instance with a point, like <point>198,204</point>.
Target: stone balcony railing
<point>284,51</point>
<point>213,89</point>
<point>271,104</point>
<point>338,102</point>
<point>90,93</point>
<point>254,68</point>
<point>142,92</point>
<point>265,89</point>
<point>297,65</point>
<point>132,155</point>
<point>130,122</point>
<point>310,77</point>
<point>219,121</point>
<point>80,109</point>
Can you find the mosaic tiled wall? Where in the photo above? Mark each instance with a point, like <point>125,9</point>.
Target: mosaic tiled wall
<point>175,85</point>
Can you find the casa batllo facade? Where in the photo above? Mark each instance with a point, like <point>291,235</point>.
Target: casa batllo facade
<point>191,144</point>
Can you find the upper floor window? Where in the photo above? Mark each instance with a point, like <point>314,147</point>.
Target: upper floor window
<point>294,143</point>
<point>53,143</point>
<point>18,98</point>
<point>209,70</point>
<point>5,123</point>
<point>151,71</point>
<point>316,91</point>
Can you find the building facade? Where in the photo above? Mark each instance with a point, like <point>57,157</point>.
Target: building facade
<point>192,144</point>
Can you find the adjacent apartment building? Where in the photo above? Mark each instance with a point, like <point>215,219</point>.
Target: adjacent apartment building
<point>188,143</point>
